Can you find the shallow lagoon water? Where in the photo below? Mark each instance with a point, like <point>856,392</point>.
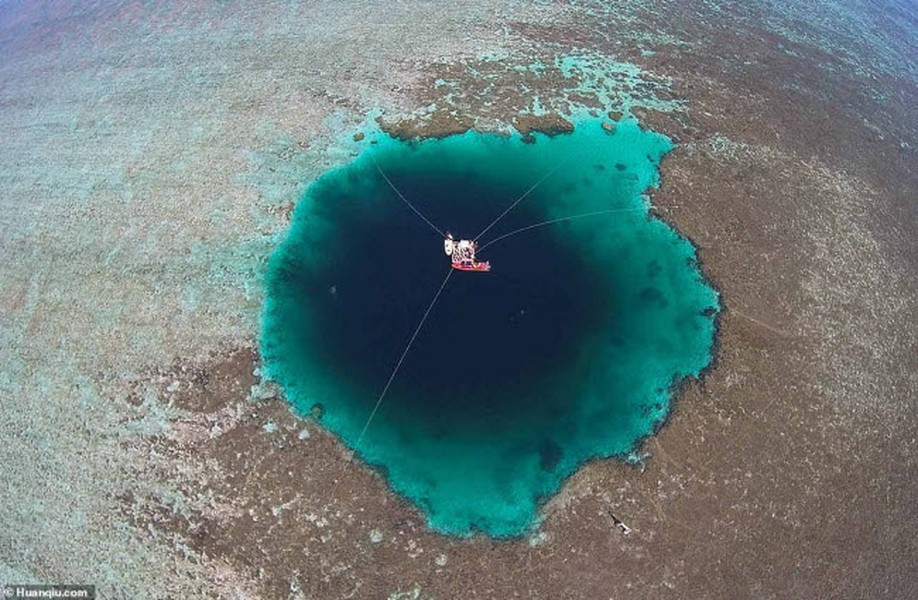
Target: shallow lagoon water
<point>569,349</point>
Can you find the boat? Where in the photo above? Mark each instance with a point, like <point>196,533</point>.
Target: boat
<point>462,255</point>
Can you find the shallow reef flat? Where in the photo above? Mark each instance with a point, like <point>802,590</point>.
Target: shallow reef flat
<point>152,158</point>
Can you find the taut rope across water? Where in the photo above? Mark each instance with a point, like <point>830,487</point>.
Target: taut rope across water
<point>559,220</point>
<point>405,200</point>
<point>397,367</point>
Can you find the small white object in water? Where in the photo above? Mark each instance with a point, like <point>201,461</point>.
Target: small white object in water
<point>376,536</point>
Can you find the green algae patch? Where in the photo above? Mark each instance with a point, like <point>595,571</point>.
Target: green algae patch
<point>569,349</point>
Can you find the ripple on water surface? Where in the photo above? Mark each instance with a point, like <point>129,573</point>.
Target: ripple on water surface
<point>567,350</point>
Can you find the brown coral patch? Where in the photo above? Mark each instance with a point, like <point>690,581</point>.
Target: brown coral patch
<point>438,124</point>
<point>549,124</point>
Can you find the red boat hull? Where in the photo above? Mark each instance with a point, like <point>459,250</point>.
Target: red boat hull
<point>478,267</point>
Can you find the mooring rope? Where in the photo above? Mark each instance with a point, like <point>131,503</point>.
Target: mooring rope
<point>518,200</point>
<point>397,367</point>
<point>544,223</point>
<point>405,200</point>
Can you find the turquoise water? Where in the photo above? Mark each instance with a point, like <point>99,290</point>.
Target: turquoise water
<point>569,349</point>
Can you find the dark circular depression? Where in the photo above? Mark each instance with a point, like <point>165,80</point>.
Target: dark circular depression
<point>494,346</point>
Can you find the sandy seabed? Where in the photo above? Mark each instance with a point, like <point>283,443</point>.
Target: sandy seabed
<point>150,159</point>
